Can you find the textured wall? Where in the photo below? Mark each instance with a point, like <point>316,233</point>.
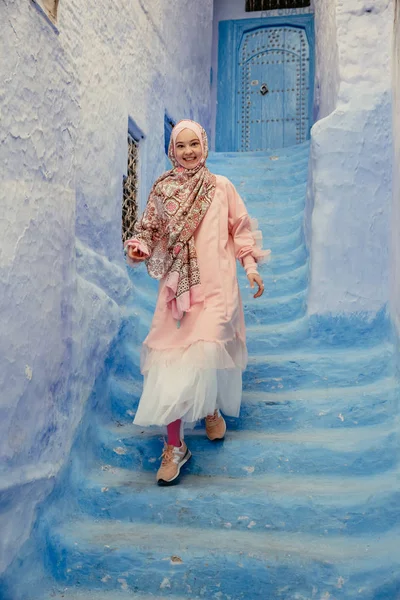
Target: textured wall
<point>66,97</point>
<point>327,61</point>
<point>351,158</point>
<point>235,9</point>
<point>326,85</point>
<point>395,263</point>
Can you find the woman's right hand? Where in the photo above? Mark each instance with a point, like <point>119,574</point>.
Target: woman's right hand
<point>136,254</point>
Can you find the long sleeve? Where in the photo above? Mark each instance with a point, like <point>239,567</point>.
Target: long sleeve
<point>147,231</point>
<point>246,237</point>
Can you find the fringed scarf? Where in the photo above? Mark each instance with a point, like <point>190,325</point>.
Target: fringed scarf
<point>177,204</point>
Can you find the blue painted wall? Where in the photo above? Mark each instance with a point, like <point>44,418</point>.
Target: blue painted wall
<point>395,247</point>
<point>348,211</point>
<point>67,95</point>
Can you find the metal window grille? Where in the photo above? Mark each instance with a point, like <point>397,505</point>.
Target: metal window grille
<point>129,205</point>
<point>168,126</point>
<point>252,5</point>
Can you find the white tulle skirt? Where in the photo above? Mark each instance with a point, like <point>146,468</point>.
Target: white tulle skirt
<point>190,383</point>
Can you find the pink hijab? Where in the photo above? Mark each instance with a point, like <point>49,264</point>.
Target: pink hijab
<point>177,205</point>
<point>193,126</point>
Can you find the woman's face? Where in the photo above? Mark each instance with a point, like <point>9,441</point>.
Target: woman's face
<point>188,150</point>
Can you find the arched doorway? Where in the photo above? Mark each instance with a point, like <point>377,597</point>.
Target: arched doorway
<point>265,87</point>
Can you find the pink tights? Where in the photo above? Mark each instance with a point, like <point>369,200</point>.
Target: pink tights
<point>174,433</point>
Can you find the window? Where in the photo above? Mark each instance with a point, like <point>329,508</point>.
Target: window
<point>49,7</point>
<point>131,181</point>
<point>252,5</point>
<point>168,126</point>
<point>130,195</point>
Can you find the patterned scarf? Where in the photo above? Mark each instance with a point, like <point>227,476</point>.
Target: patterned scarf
<point>177,204</point>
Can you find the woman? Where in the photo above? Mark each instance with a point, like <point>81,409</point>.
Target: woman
<point>194,228</point>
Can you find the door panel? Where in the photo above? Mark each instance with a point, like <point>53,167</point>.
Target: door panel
<point>278,56</point>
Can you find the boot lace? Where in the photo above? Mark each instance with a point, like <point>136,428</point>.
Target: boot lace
<point>167,455</point>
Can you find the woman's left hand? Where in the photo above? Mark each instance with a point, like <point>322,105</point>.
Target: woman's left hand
<point>255,278</point>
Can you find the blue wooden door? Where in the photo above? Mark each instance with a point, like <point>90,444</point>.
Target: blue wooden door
<point>265,83</point>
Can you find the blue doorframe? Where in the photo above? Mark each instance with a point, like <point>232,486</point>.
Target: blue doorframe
<point>230,37</point>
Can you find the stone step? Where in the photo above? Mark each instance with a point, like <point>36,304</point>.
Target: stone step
<point>165,560</point>
<point>268,161</point>
<point>124,593</point>
<point>283,154</point>
<point>324,368</point>
<point>282,263</point>
<point>319,504</point>
<point>338,407</point>
<point>284,296</point>
<point>299,370</point>
<point>276,337</point>
<point>280,309</point>
<point>277,227</point>
<point>285,244</point>
<point>258,194</point>
<point>309,451</point>
<point>282,180</point>
<point>273,208</point>
<point>341,408</point>
<point>263,172</point>
<point>277,284</point>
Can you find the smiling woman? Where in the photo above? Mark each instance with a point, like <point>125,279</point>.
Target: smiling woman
<point>194,228</point>
<point>189,149</point>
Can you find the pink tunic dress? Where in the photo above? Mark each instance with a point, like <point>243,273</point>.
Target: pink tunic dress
<point>194,366</point>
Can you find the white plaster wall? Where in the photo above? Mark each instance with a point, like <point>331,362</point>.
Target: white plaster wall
<point>326,84</point>
<point>351,162</point>
<point>65,100</point>
<point>225,10</point>
<point>395,262</point>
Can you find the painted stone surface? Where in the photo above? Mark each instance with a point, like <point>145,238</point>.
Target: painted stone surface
<point>66,96</point>
<point>349,198</point>
<point>395,238</point>
<point>301,500</point>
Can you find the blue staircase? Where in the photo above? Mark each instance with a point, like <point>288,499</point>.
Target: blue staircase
<point>300,502</point>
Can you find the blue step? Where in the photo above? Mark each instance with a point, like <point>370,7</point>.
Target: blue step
<point>301,501</point>
<point>165,560</point>
<point>286,243</point>
<point>274,310</point>
<point>242,158</point>
<point>276,337</point>
<point>338,407</point>
<point>259,206</point>
<point>370,449</point>
<point>266,180</point>
<point>317,504</point>
<point>280,284</point>
<point>324,368</point>
<point>272,228</point>
<point>124,593</point>
<point>283,263</point>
